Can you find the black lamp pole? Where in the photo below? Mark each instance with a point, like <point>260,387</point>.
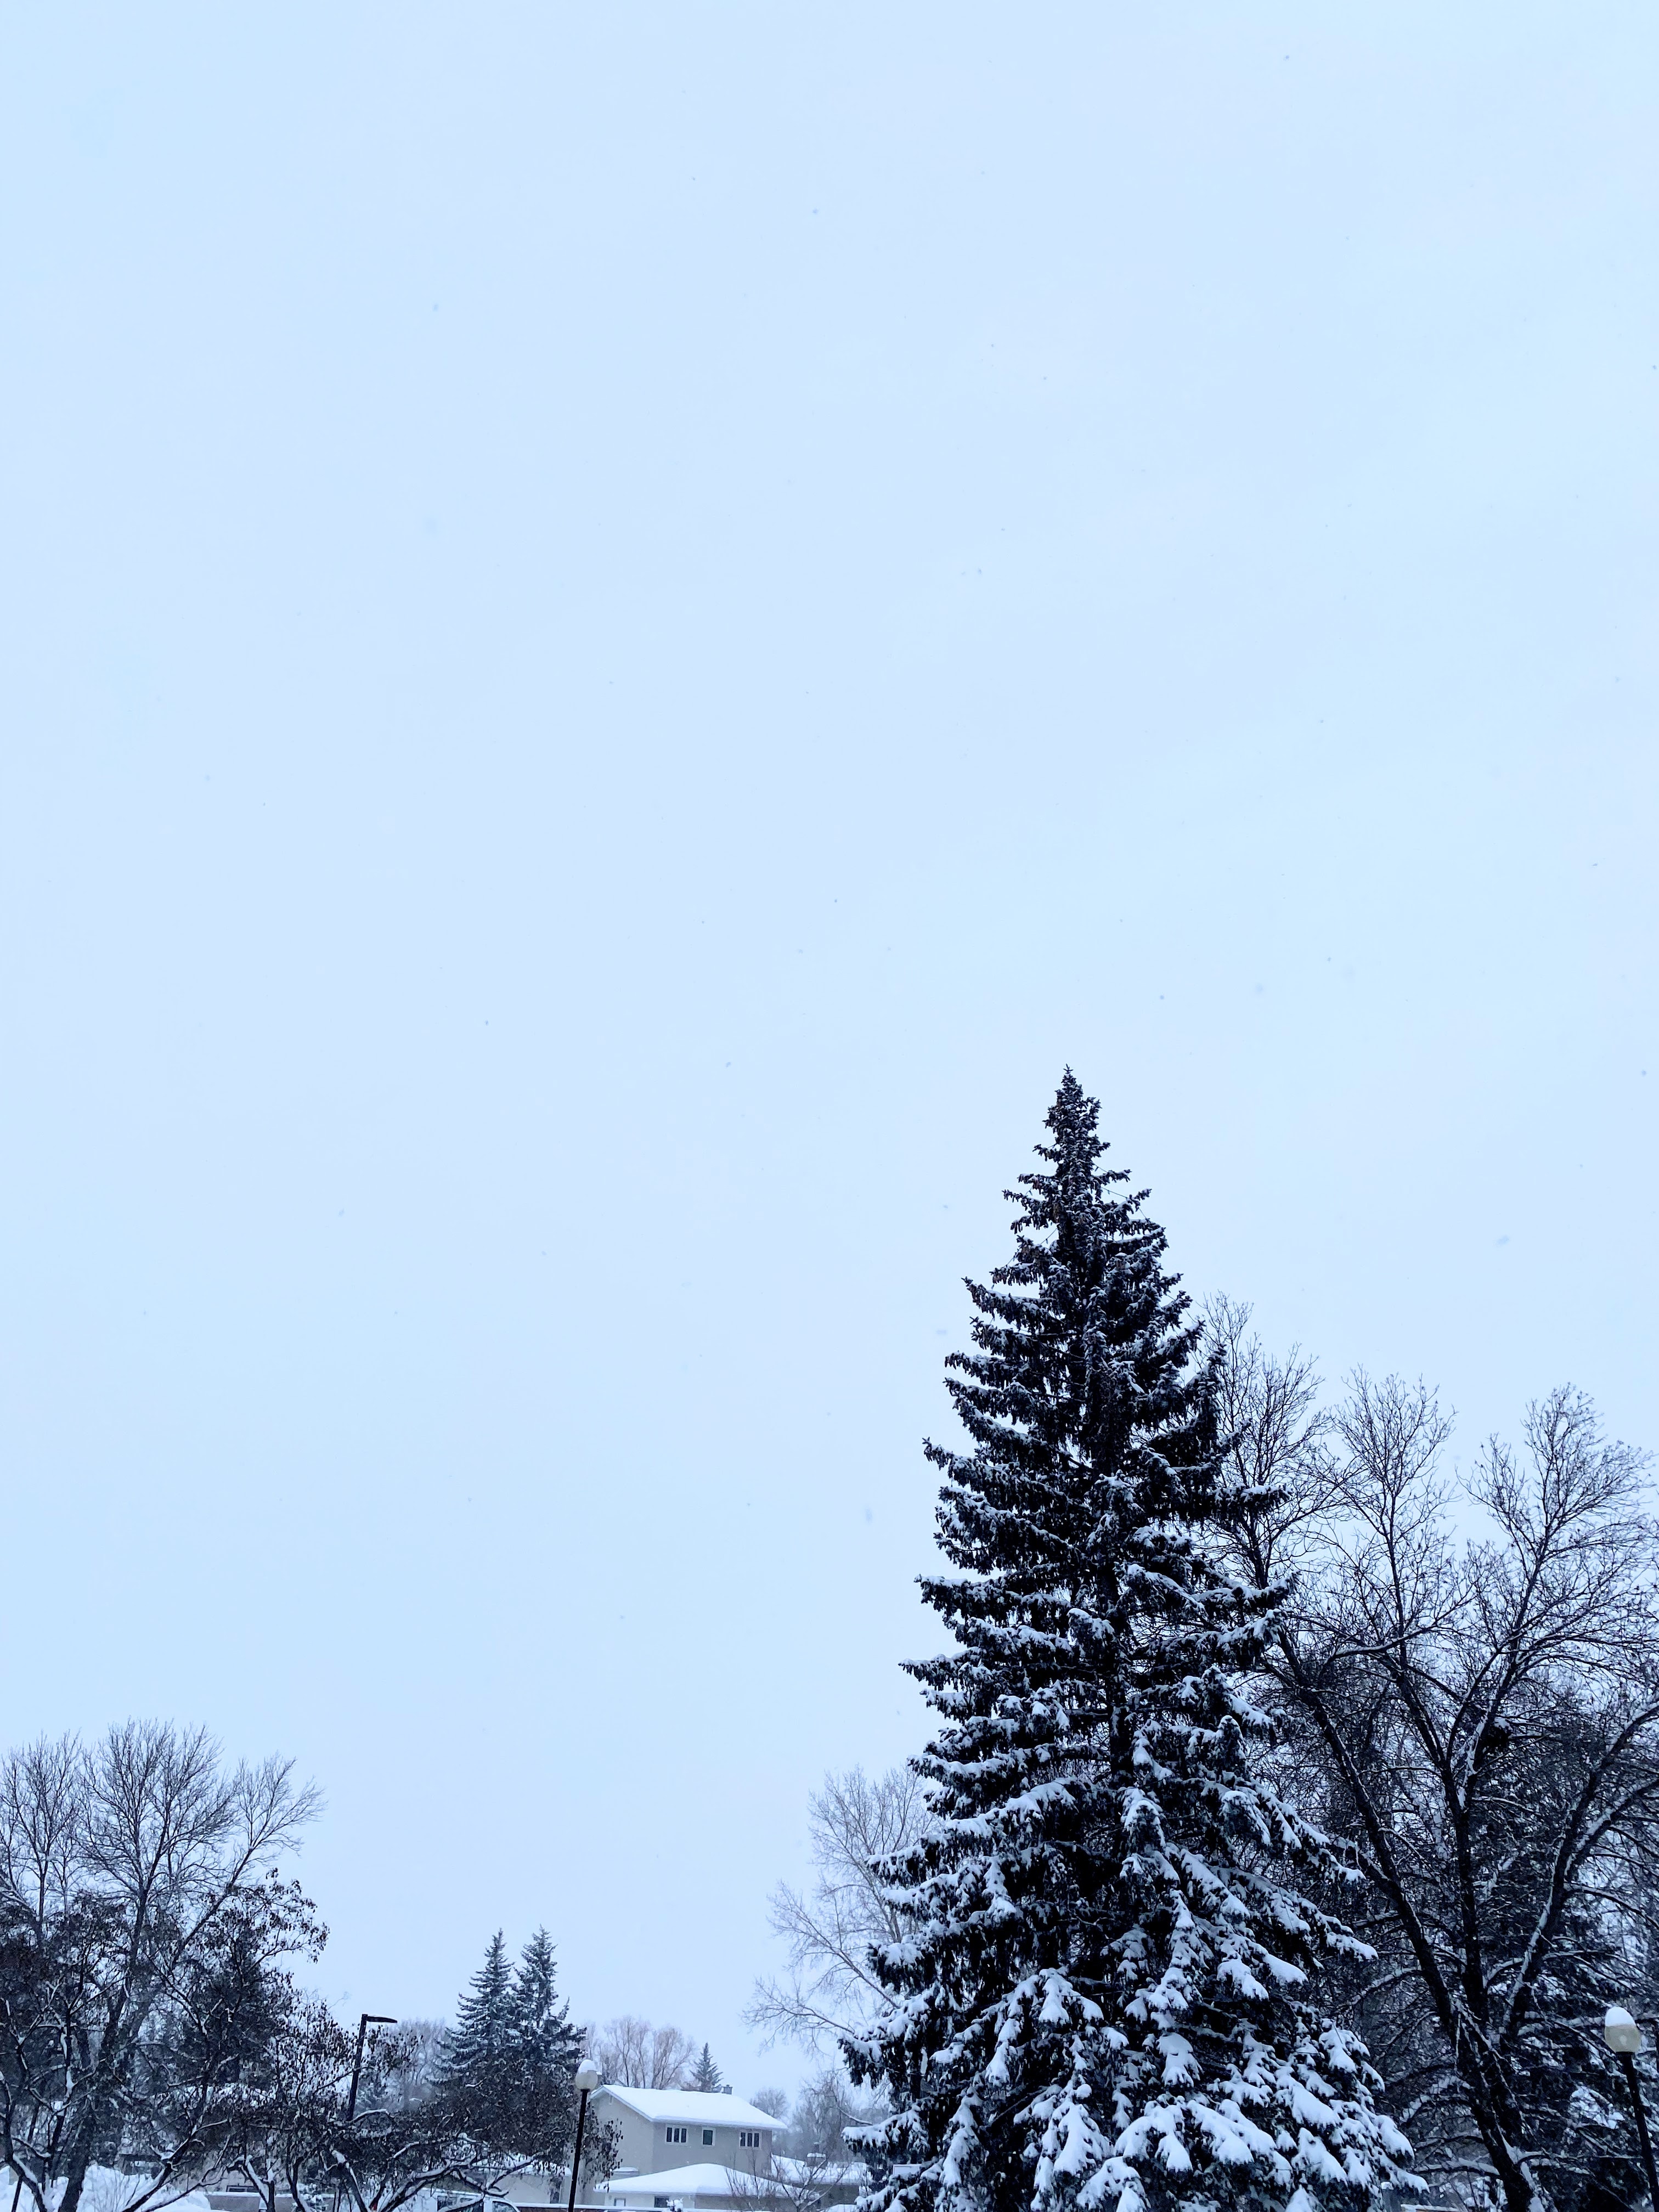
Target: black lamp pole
<point>1623,2037</point>
<point>586,2081</point>
<point>369,2020</point>
<point>1628,2063</point>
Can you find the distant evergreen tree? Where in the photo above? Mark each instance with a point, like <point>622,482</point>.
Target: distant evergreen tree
<point>1106,1992</point>
<point>706,2076</point>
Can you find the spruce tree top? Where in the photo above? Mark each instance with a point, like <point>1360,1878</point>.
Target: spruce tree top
<point>482,2038</point>
<point>541,2020</point>
<point>1088,1410</point>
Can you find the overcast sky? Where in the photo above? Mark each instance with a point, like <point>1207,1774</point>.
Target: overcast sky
<point>622,629</point>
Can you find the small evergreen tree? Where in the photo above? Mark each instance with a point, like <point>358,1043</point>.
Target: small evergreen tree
<point>706,2076</point>
<point>1107,1988</point>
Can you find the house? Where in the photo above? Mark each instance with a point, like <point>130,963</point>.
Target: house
<point>816,2181</point>
<point>792,2185</point>
<point>663,2129</point>
<point>689,2188</point>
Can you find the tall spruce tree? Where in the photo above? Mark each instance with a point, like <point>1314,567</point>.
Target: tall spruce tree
<point>541,2022</point>
<point>481,2067</point>
<point>507,2065</point>
<point>1109,1988</point>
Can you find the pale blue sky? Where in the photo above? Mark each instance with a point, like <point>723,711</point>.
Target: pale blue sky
<point>622,627</point>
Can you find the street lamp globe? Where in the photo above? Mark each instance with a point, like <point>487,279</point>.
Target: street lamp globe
<point>587,2077</point>
<point>1622,2034</point>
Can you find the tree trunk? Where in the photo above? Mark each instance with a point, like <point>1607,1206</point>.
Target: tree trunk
<point>75,2175</point>
<point>1521,2193</point>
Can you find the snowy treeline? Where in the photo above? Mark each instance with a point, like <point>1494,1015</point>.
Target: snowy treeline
<point>152,2021</point>
<point>640,2055</point>
<point>1271,1819</point>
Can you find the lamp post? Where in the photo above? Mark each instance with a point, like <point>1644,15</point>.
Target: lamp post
<point>369,2020</point>
<point>587,2080</point>
<point>1623,2039</point>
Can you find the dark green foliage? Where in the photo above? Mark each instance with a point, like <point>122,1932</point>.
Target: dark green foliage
<point>481,2060</point>
<point>549,2048</point>
<point>508,2063</point>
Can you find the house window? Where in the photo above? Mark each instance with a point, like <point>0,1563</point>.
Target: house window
<point>673,2135</point>
<point>707,2137</point>
<point>749,2138</point>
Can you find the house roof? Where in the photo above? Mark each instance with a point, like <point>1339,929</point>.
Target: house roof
<point>832,2174</point>
<point>694,2108</point>
<point>686,2181</point>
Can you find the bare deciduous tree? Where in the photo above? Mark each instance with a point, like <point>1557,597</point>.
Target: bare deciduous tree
<point>1485,1710</point>
<point>828,2114</point>
<point>637,2056</point>
<point>416,2062</point>
<point>1275,1435</point>
<point>824,2156</point>
<point>139,1909</point>
<point>855,1823</point>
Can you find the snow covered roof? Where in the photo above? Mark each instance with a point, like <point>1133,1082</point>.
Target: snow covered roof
<point>694,2108</point>
<point>687,2180</point>
<point>828,2175</point>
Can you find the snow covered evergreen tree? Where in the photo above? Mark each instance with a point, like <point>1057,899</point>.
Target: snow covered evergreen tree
<point>480,2062</point>
<point>540,2021</point>
<point>548,2048</point>
<point>1108,1990</point>
<point>508,2062</point>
